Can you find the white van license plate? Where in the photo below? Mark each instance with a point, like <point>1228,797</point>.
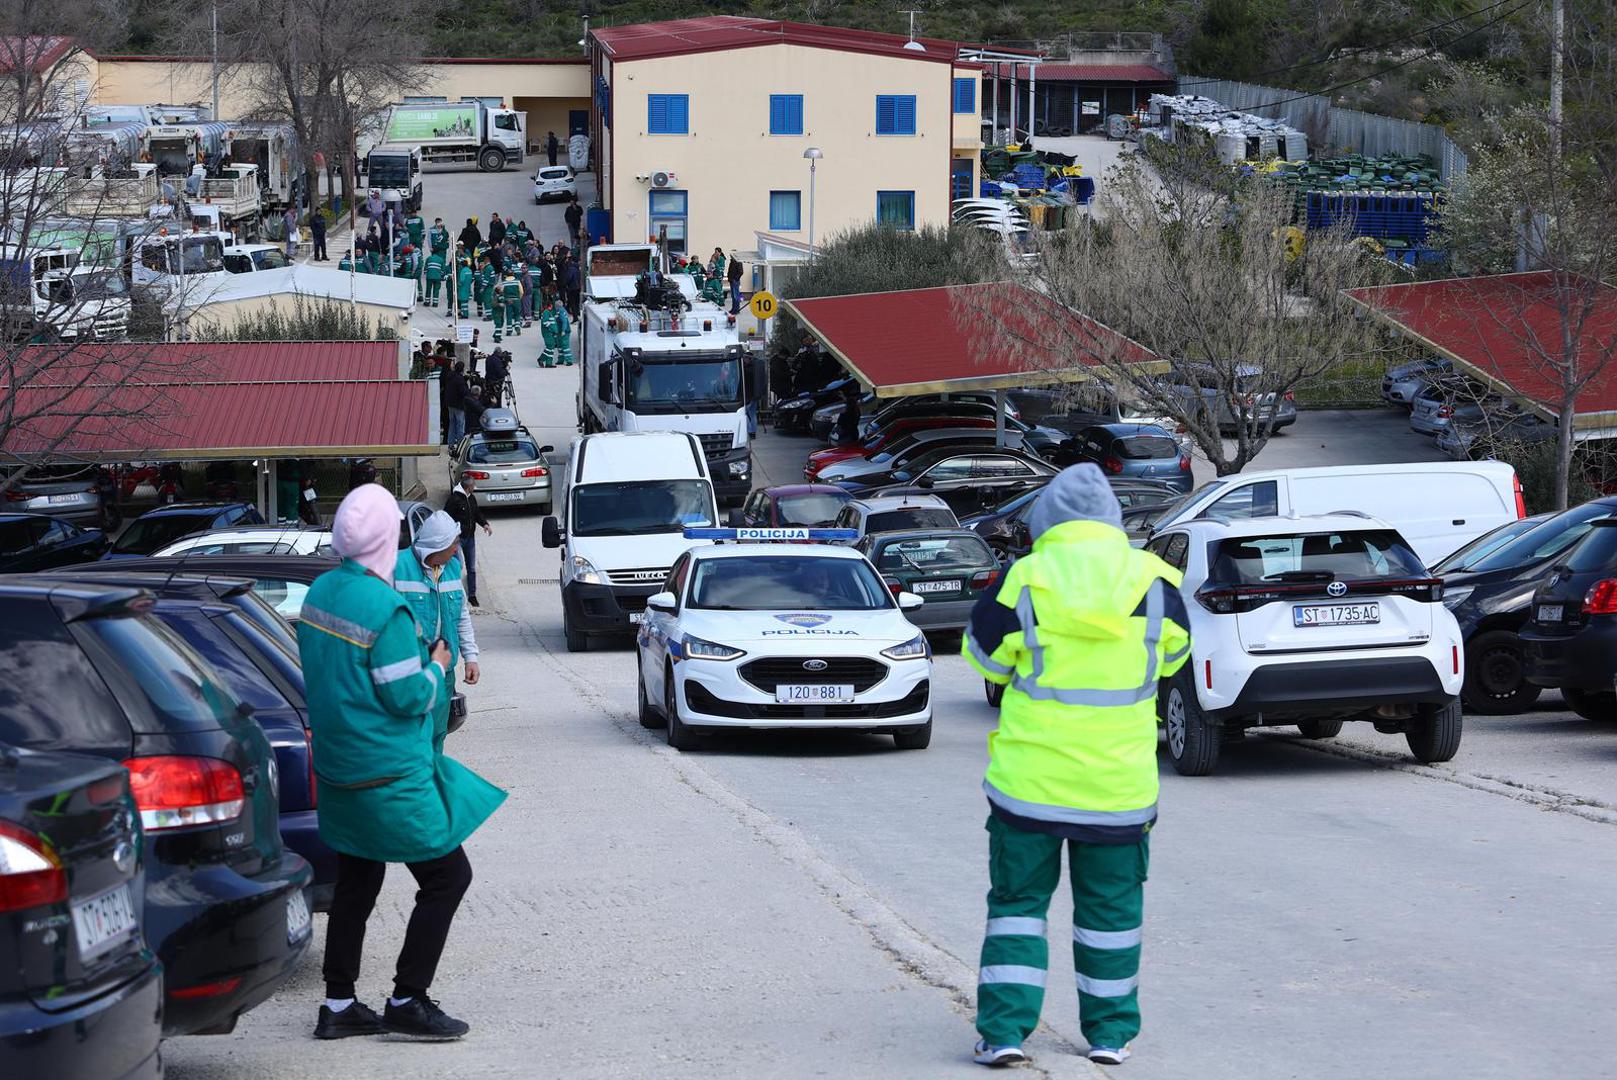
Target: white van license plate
<point>1336,614</point>
<point>814,693</point>
<point>99,922</point>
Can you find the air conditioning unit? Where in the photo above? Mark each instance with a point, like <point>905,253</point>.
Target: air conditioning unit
<point>663,179</point>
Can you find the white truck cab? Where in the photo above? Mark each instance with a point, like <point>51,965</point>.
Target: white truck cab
<point>626,500</point>
<point>176,264</point>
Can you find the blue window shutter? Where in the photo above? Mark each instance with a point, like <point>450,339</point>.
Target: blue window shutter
<point>679,114</point>
<point>657,114</point>
<point>965,95</point>
<point>906,114</point>
<point>668,114</point>
<point>794,114</point>
<point>777,114</point>
<point>886,114</point>
<point>786,114</point>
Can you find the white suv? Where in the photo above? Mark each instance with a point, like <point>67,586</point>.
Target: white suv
<point>1311,621</point>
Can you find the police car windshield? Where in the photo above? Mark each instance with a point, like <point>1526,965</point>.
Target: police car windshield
<point>685,385</point>
<point>641,507</point>
<point>787,583</point>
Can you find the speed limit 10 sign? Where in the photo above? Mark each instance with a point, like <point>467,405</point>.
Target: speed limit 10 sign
<point>764,305</point>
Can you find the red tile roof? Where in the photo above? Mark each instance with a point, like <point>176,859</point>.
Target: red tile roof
<point>711,33</point>
<point>1503,329</point>
<point>265,361</point>
<point>918,340</point>
<point>1128,73</point>
<point>35,53</point>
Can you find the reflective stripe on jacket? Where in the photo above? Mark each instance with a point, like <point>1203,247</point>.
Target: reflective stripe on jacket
<point>1080,631</point>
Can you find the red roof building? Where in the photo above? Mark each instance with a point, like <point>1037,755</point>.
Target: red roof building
<point>993,336</point>
<point>713,33</point>
<point>1506,330</point>
<point>211,361</point>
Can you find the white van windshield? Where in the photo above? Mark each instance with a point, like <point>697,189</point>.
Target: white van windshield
<point>641,507</point>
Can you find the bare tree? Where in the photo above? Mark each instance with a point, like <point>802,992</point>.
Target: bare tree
<point>1205,271</point>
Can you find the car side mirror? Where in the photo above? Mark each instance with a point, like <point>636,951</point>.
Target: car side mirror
<point>547,449</point>
<point>736,518</point>
<point>550,533</point>
<point>663,601</point>
<point>902,475</point>
<point>908,601</point>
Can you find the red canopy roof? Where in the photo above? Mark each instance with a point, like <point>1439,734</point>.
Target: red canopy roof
<point>1506,330</point>
<point>988,336</point>
<point>711,33</point>
<point>33,53</point>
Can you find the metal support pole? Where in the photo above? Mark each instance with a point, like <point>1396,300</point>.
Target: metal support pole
<point>1032,82</point>
<point>215,62</point>
<point>998,70</point>
<point>812,163</point>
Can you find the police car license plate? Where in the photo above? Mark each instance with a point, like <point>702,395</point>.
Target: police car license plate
<point>101,921</point>
<point>1550,612</point>
<point>297,916</point>
<point>814,694</point>
<point>937,586</point>
<point>636,618</point>
<point>502,496</point>
<point>1336,614</point>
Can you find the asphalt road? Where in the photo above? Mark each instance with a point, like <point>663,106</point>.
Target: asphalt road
<point>797,906</point>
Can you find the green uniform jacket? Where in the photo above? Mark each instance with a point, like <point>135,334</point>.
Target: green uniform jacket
<point>463,283</point>
<point>511,291</point>
<point>386,791</point>
<point>435,267</point>
<point>438,240</point>
<point>417,228</point>
<point>438,607</point>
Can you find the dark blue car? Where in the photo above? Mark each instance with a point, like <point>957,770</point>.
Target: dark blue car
<point>158,528</point>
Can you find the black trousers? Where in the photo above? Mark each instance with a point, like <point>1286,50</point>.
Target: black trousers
<point>320,246</point>
<point>441,883</point>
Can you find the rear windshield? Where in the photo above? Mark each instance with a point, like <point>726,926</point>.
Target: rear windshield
<point>229,661</point>
<point>488,451</point>
<point>15,537</point>
<point>258,610</point>
<point>1349,556</point>
<point>918,517</point>
<point>1545,541</point>
<point>810,509</point>
<point>927,554</point>
<point>1144,447</point>
<point>148,534</point>
<point>176,683</point>
<point>286,597</point>
<point>1598,551</point>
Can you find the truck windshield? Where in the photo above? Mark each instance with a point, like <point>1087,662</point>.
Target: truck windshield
<point>685,385</point>
<point>98,286</point>
<point>203,255</point>
<point>390,171</point>
<point>641,507</point>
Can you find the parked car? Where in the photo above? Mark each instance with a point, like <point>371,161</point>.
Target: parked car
<point>893,512</point>
<point>824,420</point>
<point>1400,385</point>
<point>808,505</point>
<point>509,465</point>
<point>896,455</point>
<point>795,412</point>
<point>280,581</point>
<point>884,438</point>
<point>1136,451</point>
<point>969,480</point>
<point>252,540</point>
<point>971,403</point>
<point>1006,530</point>
<point>1571,642</point>
<point>64,491</point>
<point>162,526</point>
<point>246,258</point>
<point>1471,435</point>
<point>1486,544</point>
<point>1442,403</point>
<point>81,991</point>
<point>40,542</point>
<point>1313,621</point>
<point>1279,409</point>
<point>88,666</point>
<point>554,182</point>
<point>948,568</point>
<point>1491,598</point>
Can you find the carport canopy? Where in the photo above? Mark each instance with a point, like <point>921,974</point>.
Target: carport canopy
<point>1505,331</point>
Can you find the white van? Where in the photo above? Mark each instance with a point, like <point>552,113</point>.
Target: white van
<point>626,501</point>
<point>1436,505</point>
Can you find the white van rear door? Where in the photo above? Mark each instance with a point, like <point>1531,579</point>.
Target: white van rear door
<point>1435,510</point>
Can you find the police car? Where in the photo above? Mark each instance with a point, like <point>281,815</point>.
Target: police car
<point>772,635</point>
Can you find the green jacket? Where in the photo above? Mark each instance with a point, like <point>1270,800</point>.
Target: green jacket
<point>417,228</point>
<point>439,607</point>
<point>435,267</point>
<point>386,791</point>
<point>463,283</point>
<point>438,239</point>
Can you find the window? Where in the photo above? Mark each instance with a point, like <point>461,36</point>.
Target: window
<point>965,95</point>
<point>668,114</point>
<point>1249,500</point>
<point>786,114</point>
<point>506,121</point>
<point>286,597</point>
<point>785,211</point>
<point>998,465</point>
<point>669,208</point>
<point>896,209</point>
<point>956,468</point>
<point>1177,549</point>
<point>895,114</point>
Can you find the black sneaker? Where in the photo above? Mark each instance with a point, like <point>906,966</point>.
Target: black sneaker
<point>421,1018</point>
<point>473,602</point>
<point>357,1019</point>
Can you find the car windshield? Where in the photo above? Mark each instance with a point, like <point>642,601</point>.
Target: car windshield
<point>1546,541</point>
<point>685,384</point>
<point>813,509</point>
<point>1489,542</point>
<point>269,259</point>
<point>1597,551</point>
<point>147,534</point>
<point>641,507</point>
<point>911,517</point>
<point>1145,447</point>
<point>785,583</point>
<point>1367,553</point>
<point>175,681</point>
<point>925,554</point>
<point>203,255</point>
<point>488,451</point>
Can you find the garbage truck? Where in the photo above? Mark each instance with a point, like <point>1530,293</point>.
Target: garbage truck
<point>460,132</point>
<point>656,357</point>
<point>177,148</point>
<point>50,294</point>
<point>274,149</point>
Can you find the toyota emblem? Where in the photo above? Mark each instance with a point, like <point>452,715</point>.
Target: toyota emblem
<point>815,665</point>
<point>1336,588</point>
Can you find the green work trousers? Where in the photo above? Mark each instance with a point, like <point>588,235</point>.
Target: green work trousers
<point>1108,897</point>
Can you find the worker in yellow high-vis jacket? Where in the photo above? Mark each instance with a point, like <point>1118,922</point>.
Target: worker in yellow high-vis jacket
<point>1079,632</point>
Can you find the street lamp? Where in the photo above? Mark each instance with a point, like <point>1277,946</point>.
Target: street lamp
<point>813,154</point>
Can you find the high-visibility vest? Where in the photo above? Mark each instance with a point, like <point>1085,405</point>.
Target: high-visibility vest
<point>1080,631</point>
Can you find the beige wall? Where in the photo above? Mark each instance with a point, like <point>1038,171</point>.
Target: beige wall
<point>550,114</point>
<point>729,162</point>
<point>228,313</point>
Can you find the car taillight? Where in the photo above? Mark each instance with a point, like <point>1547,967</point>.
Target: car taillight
<point>894,587</point>
<point>176,792</point>
<point>1289,396</point>
<point>1521,504</point>
<point>1428,589</point>
<point>984,578</point>
<point>1112,465</point>
<point>540,471</point>
<point>204,990</point>
<point>30,874</point>
<point>1445,410</point>
<point>1601,599</point>
<point>475,475</point>
<point>1184,463</point>
<point>1218,601</point>
<point>16,496</point>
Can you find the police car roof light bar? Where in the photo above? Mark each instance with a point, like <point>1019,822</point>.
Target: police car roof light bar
<point>745,535</point>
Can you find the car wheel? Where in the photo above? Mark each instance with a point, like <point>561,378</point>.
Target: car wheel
<point>994,692</point>
<point>680,736</point>
<point>1591,704</point>
<point>1494,675</point>
<point>914,739</point>
<point>649,717</point>
<point>577,640</point>
<point>1193,740</point>
<point>1434,734</point>
<point>491,160</point>
<point>1320,729</point>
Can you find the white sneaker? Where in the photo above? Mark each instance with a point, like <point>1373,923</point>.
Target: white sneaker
<point>1106,1055</point>
<point>997,1057</point>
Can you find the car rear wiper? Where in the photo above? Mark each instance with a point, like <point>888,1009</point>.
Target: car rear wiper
<point>1301,575</point>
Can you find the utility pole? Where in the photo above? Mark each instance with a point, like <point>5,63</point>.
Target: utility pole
<point>1557,79</point>
<point>215,62</point>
